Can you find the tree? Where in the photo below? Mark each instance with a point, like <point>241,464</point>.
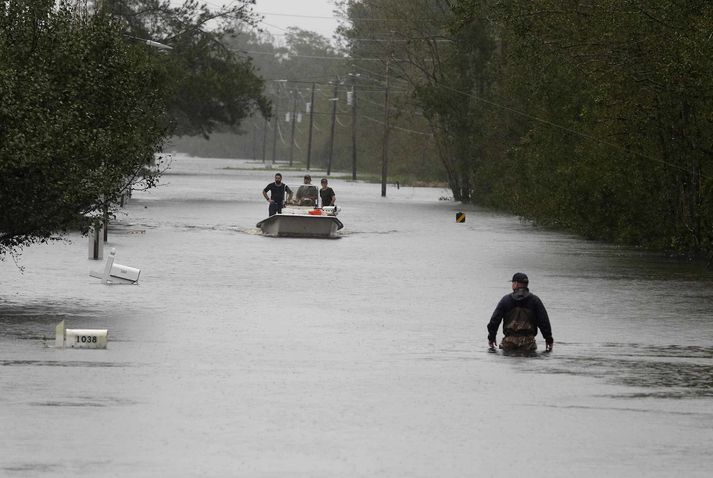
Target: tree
<point>442,58</point>
<point>592,116</point>
<point>86,104</point>
<point>616,143</point>
<point>211,84</point>
<point>82,112</point>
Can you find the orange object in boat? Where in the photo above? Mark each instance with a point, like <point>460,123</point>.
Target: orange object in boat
<point>315,212</point>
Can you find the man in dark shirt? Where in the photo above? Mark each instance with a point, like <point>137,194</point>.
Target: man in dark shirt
<point>277,194</point>
<point>327,194</point>
<point>522,313</point>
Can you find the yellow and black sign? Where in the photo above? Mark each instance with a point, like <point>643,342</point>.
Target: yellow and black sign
<point>460,217</point>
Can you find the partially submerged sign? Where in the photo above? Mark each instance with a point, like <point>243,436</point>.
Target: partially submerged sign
<point>80,338</point>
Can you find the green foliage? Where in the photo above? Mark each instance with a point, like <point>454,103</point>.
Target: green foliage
<point>85,104</point>
<point>614,139</point>
<point>442,59</point>
<point>212,86</point>
<point>590,116</point>
<point>81,114</point>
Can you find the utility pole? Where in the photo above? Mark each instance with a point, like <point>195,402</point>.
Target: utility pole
<point>264,139</point>
<point>277,124</point>
<point>292,133</point>
<point>354,127</point>
<point>331,134</point>
<point>254,140</point>
<point>385,154</point>
<point>311,123</point>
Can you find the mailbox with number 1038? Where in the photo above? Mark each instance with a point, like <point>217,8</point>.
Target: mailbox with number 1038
<point>86,339</point>
<point>80,338</point>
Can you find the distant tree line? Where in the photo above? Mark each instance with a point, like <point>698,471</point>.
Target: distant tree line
<point>291,66</point>
<point>593,116</point>
<point>86,102</point>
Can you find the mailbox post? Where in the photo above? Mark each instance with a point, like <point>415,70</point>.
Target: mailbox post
<point>96,242</point>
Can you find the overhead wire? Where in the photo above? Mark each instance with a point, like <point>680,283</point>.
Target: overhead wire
<point>391,126</point>
<point>366,19</point>
<point>564,128</point>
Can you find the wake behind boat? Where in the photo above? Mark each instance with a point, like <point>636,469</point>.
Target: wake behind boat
<point>303,221</point>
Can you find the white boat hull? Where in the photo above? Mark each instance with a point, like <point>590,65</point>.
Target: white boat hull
<point>293,225</point>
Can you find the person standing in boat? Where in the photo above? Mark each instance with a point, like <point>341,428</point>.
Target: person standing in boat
<point>327,194</point>
<point>307,193</point>
<point>522,313</point>
<point>277,192</point>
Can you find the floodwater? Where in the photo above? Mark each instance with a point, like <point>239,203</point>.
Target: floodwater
<point>244,355</point>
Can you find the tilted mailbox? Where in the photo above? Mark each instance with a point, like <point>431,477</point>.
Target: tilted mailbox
<point>116,273</point>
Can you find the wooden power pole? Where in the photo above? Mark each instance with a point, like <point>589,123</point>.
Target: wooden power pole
<point>277,125</point>
<point>331,134</point>
<point>354,127</point>
<point>385,146</point>
<point>311,123</point>
<point>292,127</point>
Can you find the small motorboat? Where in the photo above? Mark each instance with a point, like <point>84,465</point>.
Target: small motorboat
<point>303,221</point>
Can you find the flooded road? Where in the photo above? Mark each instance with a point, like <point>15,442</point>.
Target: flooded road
<point>243,355</point>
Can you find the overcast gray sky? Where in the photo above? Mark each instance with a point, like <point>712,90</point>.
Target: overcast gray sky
<point>314,15</point>
<point>278,15</point>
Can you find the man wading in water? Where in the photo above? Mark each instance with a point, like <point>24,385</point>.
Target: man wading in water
<point>522,314</point>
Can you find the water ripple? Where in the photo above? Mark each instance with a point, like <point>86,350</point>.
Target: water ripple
<point>668,371</point>
<point>55,363</point>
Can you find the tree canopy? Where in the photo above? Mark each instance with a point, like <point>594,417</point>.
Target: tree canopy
<point>211,83</point>
<point>86,103</point>
<point>592,116</point>
<point>81,113</point>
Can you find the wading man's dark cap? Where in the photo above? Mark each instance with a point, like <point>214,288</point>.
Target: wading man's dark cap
<point>520,277</point>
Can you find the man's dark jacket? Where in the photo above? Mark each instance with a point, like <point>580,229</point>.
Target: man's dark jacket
<point>523,313</point>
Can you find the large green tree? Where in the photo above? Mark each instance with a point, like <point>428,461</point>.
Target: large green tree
<point>442,58</point>
<point>81,113</point>
<point>86,101</point>
<point>592,116</point>
<point>212,84</point>
<point>613,123</point>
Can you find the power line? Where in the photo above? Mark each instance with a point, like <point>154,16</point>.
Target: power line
<point>289,55</point>
<point>364,19</point>
<point>273,26</point>
<point>406,130</point>
<point>316,57</point>
<point>563,128</point>
<point>294,15</point>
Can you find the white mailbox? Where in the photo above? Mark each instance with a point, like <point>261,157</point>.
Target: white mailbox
<point>80,338</point>
<point>124,272</point>
<point>116,273</point>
